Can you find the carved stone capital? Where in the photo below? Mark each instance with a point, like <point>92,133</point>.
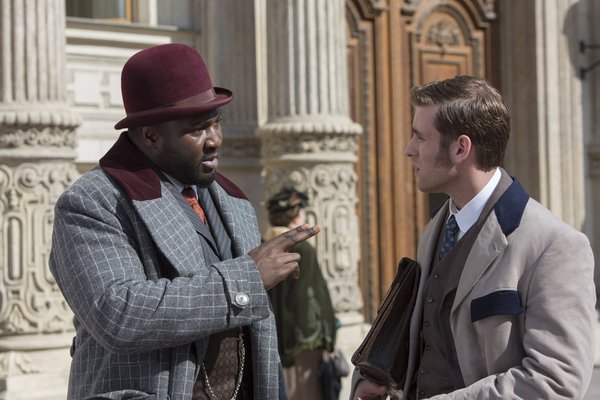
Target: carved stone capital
<point>310,146</point>
<point>310,139</point>
<point>307,124</point>
<point>13,137</point>
<point>30,115</point>
<point>37,134</point>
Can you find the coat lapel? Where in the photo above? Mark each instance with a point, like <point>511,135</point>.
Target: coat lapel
<point>233,210</point>
<point>430,237</point>
<point>489,244</point>
<point>171,231</point>
<point>156,202</point>
<point>193,218</point>
<point>492,240</point>
<point>163,210</point>
<point>218,234</point>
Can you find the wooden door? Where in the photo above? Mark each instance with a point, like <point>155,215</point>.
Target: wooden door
<point>393,45</point>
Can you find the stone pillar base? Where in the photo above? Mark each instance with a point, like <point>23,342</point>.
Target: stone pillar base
<point>349,337</point>
<point>34,367</point>
<point>597,362</point>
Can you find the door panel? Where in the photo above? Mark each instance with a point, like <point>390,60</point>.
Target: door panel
<point>393,45</point>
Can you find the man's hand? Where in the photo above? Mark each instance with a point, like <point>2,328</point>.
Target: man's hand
<point>272,258</point>
<point>367,390</point>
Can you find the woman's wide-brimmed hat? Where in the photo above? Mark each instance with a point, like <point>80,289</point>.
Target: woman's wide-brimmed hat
<point>167,82</point>
<point>287,198</point>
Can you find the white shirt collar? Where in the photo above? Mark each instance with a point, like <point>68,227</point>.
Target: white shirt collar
<point>468,215</point>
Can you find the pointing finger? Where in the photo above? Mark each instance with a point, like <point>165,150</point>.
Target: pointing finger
<point>299,234</point>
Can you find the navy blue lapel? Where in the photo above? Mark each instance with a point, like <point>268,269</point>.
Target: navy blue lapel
<point>492,238</point>
<point>510,207</point>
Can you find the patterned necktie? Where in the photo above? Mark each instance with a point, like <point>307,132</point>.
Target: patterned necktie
<point>190,196</point>
<point>450,235</point>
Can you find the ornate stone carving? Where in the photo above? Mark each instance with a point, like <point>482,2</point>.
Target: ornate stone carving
<point>483,9</point>
<point>48,136</point>
<point>320,125</point>
<point>34,117</point>
<point>30,301</point>
<point>409,7</point>
<point>332,192</point>
<point>37,143</point>
<point>444,33</point>
<point>308,143</point>
<point>487,8</point>
<point>309,140</point>
<point>16,361</point>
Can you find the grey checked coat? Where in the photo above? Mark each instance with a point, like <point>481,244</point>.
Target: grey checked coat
<point>132,268</point>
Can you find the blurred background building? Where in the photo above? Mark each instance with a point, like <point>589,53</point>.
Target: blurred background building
<point>321,103</point>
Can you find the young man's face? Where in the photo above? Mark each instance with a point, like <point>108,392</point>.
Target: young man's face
<point>189,148</point>
<point>431,161</point>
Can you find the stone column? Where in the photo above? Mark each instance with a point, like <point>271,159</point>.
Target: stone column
<point>554,108</point>
<point>585,14</point>
<point>309,141</point>
<point>235,54</point>
<point>540,80</point>
<point>37,139</point>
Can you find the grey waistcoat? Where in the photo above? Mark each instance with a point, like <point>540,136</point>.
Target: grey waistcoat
<point>439,370</point>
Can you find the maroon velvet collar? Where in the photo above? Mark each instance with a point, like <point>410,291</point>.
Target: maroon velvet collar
<point>132,170</point>
<point>136,175</point>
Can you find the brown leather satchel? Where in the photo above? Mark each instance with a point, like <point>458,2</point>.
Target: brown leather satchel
<point>383,355</point>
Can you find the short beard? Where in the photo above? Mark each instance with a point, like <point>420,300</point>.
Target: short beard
<point>205,181</point>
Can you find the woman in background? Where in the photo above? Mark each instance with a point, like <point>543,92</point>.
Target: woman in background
<point>306,323</point>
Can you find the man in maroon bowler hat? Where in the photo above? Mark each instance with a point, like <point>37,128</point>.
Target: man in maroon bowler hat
<point>159,256</point>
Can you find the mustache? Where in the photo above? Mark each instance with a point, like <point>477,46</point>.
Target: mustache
<point>209,155</point>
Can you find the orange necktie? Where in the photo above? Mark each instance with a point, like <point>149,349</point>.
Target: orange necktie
<point>190,196</point>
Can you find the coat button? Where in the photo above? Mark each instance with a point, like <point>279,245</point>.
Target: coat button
<point>242,299</point>
<point>429,300</point>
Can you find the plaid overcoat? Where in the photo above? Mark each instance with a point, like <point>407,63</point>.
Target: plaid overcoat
<point>132,268</point>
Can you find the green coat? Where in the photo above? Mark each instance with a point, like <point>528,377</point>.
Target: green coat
<point>303,311</point>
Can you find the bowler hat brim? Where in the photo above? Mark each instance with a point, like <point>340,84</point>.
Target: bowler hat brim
<point>169,113</point>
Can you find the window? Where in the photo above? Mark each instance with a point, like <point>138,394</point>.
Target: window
<point>113,10</point>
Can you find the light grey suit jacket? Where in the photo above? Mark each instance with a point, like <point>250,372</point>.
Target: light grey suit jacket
<point>131,267</point>
<point>523,319</point>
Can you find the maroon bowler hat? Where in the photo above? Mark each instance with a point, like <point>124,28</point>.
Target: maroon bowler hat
<point>167,82</point>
